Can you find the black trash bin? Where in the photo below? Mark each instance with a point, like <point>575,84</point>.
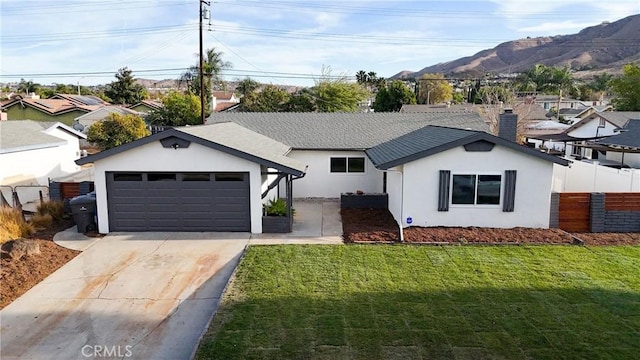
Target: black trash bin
<point>83,210</point>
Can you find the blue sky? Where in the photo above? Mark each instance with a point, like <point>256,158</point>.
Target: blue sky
<point>272,41</point>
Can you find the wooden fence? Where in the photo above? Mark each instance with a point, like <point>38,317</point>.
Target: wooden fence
<point>574,212</point>
<point>596,212</point>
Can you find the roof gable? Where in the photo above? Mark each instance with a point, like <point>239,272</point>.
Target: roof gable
<point>431,140</point>
<point>227,137</point>
<point>23,135</point>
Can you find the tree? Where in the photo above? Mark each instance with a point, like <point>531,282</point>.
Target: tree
<point>336,94</point>
<point>495,99</point>
<point>434,89</point>
<point>269,99</point>
<point>627,89</point>
<point>212,66</point>
<point>117,129</point>
<point>125,90</point>
<point>392,98</point>
<point>178,110</point>
<point>370,80</point>
<point>601,84</point>
<point>302,101</point>
<point>27,87</point>
<point>545,79</point>
<point>247,86</point>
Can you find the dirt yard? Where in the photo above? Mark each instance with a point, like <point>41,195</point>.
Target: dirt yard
<point>375,225</point>
<point>18,276</point>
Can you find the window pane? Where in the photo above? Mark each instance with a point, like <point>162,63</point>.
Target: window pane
<point>338,164</point>
<point>489,189</point>
<point>229,177</point>
<point>127,177</point>
<point>463,189</point>
<point>196,177</point>
<point>356,164</point>
<point>161,177</point>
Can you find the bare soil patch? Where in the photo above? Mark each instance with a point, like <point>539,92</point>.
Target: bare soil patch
<point>366,225</point>
<point>378,225</point>
<point>18,276</point>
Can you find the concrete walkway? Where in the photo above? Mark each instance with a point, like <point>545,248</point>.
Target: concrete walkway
<point>316,221</point>
<point>139,296</point>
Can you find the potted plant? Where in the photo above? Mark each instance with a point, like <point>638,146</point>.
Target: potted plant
<point>275,217</point>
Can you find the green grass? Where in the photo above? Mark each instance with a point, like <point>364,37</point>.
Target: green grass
<point>405,302</point>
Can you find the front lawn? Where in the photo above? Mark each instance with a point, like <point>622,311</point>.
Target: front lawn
<point>405,302</point>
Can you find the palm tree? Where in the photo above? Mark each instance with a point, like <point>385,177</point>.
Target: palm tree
<point>212,66</point>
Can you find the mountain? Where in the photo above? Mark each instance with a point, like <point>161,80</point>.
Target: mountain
<point>604,47</point>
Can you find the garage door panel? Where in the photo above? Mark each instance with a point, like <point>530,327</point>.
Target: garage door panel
<point>176,205</point>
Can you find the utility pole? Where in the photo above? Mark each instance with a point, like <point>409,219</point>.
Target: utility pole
<point>201,70</point>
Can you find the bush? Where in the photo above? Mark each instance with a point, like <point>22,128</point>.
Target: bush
<point>41,221</point>
<point>277,207</point>
<point>53,208</point>
<point>12,225</point>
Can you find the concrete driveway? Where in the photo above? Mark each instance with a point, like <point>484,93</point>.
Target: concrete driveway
<point>139,296</point>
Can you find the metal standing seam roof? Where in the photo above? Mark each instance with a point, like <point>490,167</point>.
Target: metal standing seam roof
<point>345,131</point>
<point>431,140</point>
<point>20,135</point>
<point>227,137</point>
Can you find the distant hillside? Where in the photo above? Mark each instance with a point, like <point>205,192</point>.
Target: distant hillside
<point>604,47</point>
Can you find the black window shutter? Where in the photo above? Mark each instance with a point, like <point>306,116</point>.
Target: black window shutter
<point>443,192</point>
<point>509,191</point>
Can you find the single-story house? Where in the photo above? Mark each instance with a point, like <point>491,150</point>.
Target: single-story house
<point>146,106</point>
<point>437,168</point>
<point>102,113</point>
<point>56,109</point>
<point>439,176</point>
<point>622,149</point>
<point>198,178</point>
<point>334,144</point>
<point>32,152</point>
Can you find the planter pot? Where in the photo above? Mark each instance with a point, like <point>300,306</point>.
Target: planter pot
<point>276,224</point>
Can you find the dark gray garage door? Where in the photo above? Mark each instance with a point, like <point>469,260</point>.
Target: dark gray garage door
<point>154,201</point>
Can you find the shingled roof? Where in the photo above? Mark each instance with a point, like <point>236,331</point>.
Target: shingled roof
<point>345,131</point>
<point>628,138</point>
<point>431,140</point>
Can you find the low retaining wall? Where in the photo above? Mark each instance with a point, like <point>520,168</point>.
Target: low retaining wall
<point>364,201</point>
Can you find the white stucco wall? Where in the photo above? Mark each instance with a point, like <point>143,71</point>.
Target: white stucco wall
<point>198,158</point>
<point>394,191</point>
<point>533,189</point>
<point>36,167</point>
<point>320,182</point>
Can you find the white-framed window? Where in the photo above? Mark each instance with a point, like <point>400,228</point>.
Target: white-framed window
<point>476,189</point>
<point>346,164</point>
<point>602,123</point>
<point>576,149</point>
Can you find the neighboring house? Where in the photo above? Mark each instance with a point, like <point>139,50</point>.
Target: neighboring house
<point>222,100</point>
<point>54,109</point>
<point>102,113</point>
<point>549,102</point>
<point>146,106</point>
<point>333,144</point>
<point>31,152</point>
<point>197,178</point>
<point>622,149</point>
<point>439,176</point>
<point>594,126</point>
<point>84,100</point>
